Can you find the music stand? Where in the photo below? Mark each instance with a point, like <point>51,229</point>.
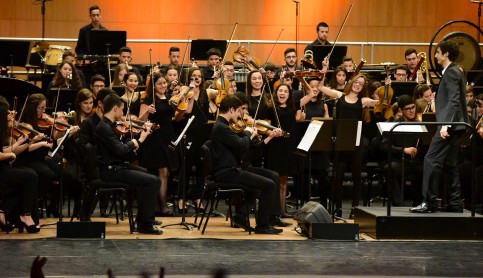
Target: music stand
<point>199,48</point>
<point>183,147</point>
<point>321,51</point>
<point>100,38</point>
<point>402,88</point>
<point>66,98</point>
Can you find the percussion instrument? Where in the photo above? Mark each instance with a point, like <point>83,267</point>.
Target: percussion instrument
<point>53,57</point>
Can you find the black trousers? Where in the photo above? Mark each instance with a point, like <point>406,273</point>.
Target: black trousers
<point>146,186</point>
<point>344,158</point>
<point>441,161</point>
<point>23,182</point>
<point>262,181</point>
<point>413,171</point>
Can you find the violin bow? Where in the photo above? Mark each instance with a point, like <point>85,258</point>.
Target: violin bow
<point>152,71</point>
<point>273,47</point>
<point>340,31</point>
<point>13,123</point>
<point>184,56</point>
<point>222,77</point>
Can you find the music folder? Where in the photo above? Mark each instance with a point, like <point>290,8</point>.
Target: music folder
<point>385,128</point>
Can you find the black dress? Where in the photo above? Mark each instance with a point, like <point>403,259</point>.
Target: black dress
<point>155,150</point>
<point>281,157</point>
<point>135,106</point>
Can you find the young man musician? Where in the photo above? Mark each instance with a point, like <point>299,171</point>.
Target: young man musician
<point>82,47</point>
<point>214,58</point>
<point>322,34</point>
<point>442,154</point>
<point>112,150</point>
<point>411,56</point>
<point>125,57</point>
<point>227,148</point>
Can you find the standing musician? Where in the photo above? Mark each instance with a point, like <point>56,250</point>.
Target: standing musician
<point>112,152</point>
<point>125,57</point>
<point>349,106</point>
<point>155,154</point>
<point>227,148</point>
<point>281,157</point>
<point>214,57</point>
<point>83,42</point>
<point>131,96</point>
<point>442,153</point>
<point>411,56</point>
<point>21,180</point>
<point>254,92</point>
<point>413,151</point>
<point>322,34</point>
<point>172,77</point>
<point>290,67</point>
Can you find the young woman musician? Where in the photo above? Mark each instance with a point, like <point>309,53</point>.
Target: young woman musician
<point>254,88</point>
<point>349,106</point>
<point>338,79</point>
<point>21,181</point>
<point>155,154</point>
<point>131,97</point>
<point>172,77</point>
<point>67,76</point>
<point>118,77</point>
<point>281,156</point>
<point>36,156</point>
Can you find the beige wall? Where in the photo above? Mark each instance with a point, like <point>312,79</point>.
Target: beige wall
<point>370,21</point>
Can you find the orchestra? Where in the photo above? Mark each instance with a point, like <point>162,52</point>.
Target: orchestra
<point>134,126</point>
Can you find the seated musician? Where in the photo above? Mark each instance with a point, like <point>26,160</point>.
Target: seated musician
<point>411,56</point>
<point>125,57</point>
<point>82,47</point>
<point>348,64</point>
<point>174,55</point>
<point>98,82</point>
<point>70,56</point>
<point>413,150</point>
<point>227,148</point>
<point>112,151</point>
<point>88,126</point>
<point>424,91</point>
<point>66,76</point>
<point>214,58</point>
<point>401,73</point>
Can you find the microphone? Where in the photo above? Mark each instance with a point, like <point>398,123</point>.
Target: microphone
<point>69,76</point>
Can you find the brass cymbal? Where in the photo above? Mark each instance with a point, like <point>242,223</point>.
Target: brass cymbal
<point>40,46</point>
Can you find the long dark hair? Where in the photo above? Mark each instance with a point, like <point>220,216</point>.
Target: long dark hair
<point>203,97</point>
<point>333,80</point>
<point>249,88</point>
<point>290,103</point>
<point>3,121</point>
<point>81,96</point>
<point>59,80</point>
<point>149,88</point>
<point>30,113</point>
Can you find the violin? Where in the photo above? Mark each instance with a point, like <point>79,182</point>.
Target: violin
<point>46,122</point>
<point>222,84</point>
<point>24,129</point>
<point>135,120</point>
<point>286,74</point>
<point>385,95</point>
<point>309,73</point>
<point>241,55</point>
<point>262,125</point>
<point>125,127</point>
<point>180,101</point>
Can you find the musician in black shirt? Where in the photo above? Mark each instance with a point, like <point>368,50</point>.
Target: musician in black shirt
<point>88,126</point>
<point>82,47</point>
<point>112,152</point>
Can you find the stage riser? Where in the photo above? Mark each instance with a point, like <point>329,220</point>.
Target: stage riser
<point>431,226</point>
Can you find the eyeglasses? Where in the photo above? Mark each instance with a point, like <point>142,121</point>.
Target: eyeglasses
<point>409,108</point>
<point>99,86</point>
<point>400,74</point>
<point>41,108</point>
<point>230,70</point>
<point>360,83</point>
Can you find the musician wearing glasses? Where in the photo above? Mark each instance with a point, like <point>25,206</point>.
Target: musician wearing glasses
<point>413,151</point>
<point>401,73</point>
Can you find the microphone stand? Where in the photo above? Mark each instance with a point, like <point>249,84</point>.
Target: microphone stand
<point>183,147</point>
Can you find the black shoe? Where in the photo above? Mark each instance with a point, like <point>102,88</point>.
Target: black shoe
<point>157,222</point>
<point>453,209</point>
<point>423,208</point>
<point>32,229</point>
<point>241,222</point>
<point>277,221</point>
<point>267,230</point>
<point>149,229</point>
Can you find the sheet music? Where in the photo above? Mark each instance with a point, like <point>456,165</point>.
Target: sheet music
<point>359,132</point>
<point>310,135</point>
<point>386,127</point>
<point>175,143</point>
<point>59,142</point>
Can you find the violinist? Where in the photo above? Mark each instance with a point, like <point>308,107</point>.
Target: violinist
<point>312,101</point>
<point>36,156</point>
<point>254,92</point>
<point>112,154</point>
<point>322,35</point>
<point>349,106</point>
<point>89,125</point>
<point>155,154</point>
<point>22,181</point>
<point>214,58</point>
<point>411,56</point>
<point>281,158</point>
<point>172,77</point>
<point>413,151</point>
<point>131,96</point>
<point>227,149</point>
<point>229,70</point>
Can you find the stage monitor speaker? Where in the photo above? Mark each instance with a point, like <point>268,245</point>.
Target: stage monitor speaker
<point>81,229</point>
<point>315,222</point>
